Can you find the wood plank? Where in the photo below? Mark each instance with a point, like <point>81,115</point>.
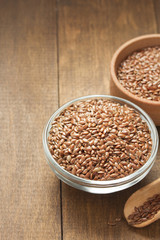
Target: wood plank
<point>30,193</point>
<point>157,11</point>
<point>89,33</point>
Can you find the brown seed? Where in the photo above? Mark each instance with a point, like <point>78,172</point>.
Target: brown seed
<point>146,211</point>
<point>100,140</point>
<point>68,158</point>
<point>79,171</point>
<point>139,72</point>
<point>85,171</point>
<point>74,170</point>
<point>97,169</point>
<point>114,175</point>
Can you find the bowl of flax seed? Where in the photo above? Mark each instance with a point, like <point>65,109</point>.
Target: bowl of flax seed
<point>100,144</point>
<point>135,73</point>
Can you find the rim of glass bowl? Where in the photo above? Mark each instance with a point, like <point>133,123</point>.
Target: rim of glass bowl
<point>119,181</point>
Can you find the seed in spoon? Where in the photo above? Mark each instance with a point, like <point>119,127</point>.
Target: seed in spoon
<point>146,211</point>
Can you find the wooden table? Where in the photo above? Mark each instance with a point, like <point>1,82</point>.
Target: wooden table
<point>51,52</point>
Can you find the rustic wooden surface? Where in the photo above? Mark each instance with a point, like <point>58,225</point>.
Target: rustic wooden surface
<point>51,52</point>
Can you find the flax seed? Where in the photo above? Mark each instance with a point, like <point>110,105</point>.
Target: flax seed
<point>139,73</point>
<point>100,140</point>
<point>146,211</point>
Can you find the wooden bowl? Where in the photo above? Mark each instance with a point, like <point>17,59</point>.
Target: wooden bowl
<point>116,89</point>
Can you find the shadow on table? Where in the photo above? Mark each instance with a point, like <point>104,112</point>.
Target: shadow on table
<point>88,216</point>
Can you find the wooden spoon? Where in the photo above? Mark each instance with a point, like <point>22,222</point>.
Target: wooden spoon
<point>138,198</point>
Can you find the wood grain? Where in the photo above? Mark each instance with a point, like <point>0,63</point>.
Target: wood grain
<point>51,52</point>
<point>29,192</point>
<point>89,32</point>
<point>157,15</point>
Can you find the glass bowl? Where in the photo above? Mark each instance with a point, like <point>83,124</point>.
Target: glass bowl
<point>108,186</point>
